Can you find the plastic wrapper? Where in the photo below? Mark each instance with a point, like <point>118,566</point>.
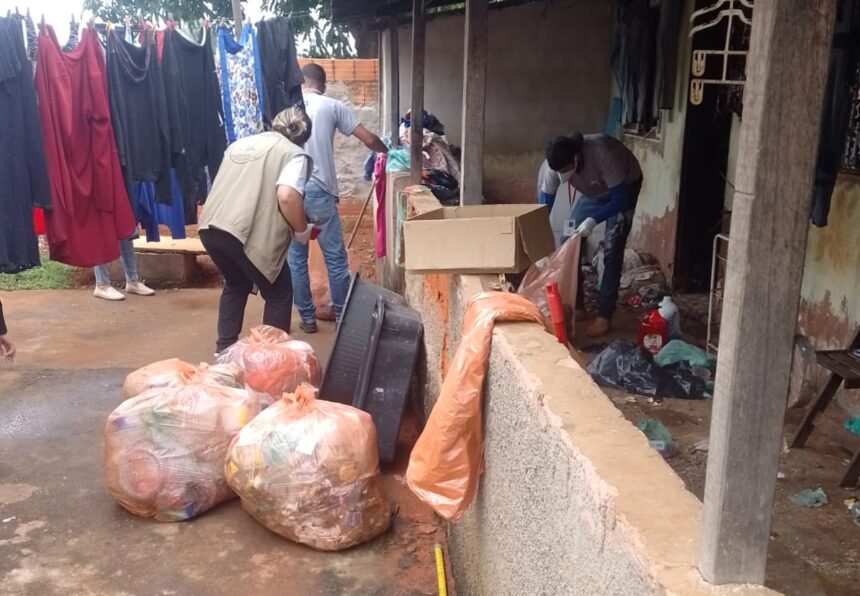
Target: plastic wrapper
<point>319,283</point>
<point>273,363</point>
<point>173,372</point>
<point>165,448</point>
<point>625,365</point>
<point>561,267</point>
<point>308,470</point>
<point>447,460</point>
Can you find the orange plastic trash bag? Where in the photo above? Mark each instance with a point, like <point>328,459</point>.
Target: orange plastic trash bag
<point>308,470</point>
<point>272,362</point>
<point>561,267</point>
<point>448,457</point>
<point>172,372</point>
<point>165,448</point>
<point>320,291</point>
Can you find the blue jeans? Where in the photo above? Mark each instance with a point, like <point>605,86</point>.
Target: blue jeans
<point>614,243</point>
<point>129,265</point>
<point>321,210</point>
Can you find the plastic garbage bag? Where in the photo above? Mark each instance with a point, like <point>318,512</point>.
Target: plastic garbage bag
<point>562,267</point>
<point>853,425</point>
<point>659,437</point>
<point>810,498</point>
<point>165,448</point>
<point>308,470</point>
<point>172,372</point>
<point>447,459</point>
<point>680,351</point>
<point>625,365</point>
<point>319,283</point>
<point>272,362</point>
<point>398,161</point>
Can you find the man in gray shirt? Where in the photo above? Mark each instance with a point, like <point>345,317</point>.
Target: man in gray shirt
<point>321,196</point>
<point>610,178</point>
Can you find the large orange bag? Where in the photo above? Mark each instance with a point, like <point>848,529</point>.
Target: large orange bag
<point>448,457</point>
<point>272,362</point>
<point>172,372</point>
<point>165,448</point>
<point>320,291</point>
<point>308,470</point>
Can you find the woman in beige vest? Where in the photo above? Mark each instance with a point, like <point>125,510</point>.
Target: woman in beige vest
<point>252,214</point>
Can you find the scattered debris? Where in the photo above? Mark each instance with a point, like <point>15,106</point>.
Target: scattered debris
<point>630,399</point>
<point>810,498</point>
<point>780,475</point>
<point>701,447</point>
<point>659,437</point>
<point>427,529</point>
<point>854,509</point>
<point>853,425</point>
<point>8,519</point>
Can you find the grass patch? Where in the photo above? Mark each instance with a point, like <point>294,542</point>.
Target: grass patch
<point>50,276</point>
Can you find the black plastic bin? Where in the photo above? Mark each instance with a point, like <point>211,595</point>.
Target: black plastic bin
<point>373,360</point>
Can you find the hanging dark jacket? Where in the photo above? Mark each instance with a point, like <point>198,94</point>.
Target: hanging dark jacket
<point>195,113</point>
<point>139,115</point>
<point>279,63</point>
<point>23,171</point>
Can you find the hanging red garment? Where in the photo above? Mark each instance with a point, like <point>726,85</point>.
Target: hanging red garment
<point>39,221</point>
<point>91,210</point>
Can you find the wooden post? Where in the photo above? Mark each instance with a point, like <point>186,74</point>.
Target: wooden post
<point>785,74</point>
<point>416,159</point>
<point>237,18</point>
<point>474,95</point>
<point>394,83</point>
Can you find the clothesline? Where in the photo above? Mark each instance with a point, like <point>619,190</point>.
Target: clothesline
<point>130,126</point>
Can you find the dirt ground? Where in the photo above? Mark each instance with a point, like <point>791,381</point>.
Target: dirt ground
<point>62,533</point>
<point>812,551</point>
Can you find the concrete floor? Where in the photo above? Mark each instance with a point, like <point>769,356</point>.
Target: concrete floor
<point>60,531</point>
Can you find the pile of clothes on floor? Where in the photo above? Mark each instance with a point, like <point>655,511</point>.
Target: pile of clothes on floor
<point>187,438</point>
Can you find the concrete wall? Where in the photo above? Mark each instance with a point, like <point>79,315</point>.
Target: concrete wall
<point>349,152</point>
<point>548,73</point>
<point>572,499</point>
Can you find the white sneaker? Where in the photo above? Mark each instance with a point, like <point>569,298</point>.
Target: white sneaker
<point>139,288</point>
<point>108,293</point>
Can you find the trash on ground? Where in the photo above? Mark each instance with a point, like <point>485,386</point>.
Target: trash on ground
<point>780,475</point>
<point>447,459</point>
<point>165,448</point>
<point>273,363</point>
<point>702,446</point>
<point>853,425</point>
<point>173,372</point>
<point>658,436</point>
<point>678,350</point>
<point>853,509</point>
<point>810,498</point>
<point>624,365</point>
<point>669,311</point>
<point>308,469</point>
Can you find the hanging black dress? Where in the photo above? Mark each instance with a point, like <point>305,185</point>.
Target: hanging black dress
<point>279,63</point>
<point>23,173</point>
<point>196,114</point>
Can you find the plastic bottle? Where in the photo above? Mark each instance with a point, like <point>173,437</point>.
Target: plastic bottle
<point>556,311</point>
<point>653,332</point>
<point>669,311</point>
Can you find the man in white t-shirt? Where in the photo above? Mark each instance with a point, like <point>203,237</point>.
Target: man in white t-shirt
<point>321,196</point>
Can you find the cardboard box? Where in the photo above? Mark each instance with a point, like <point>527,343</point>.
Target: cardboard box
<point>478,239</point>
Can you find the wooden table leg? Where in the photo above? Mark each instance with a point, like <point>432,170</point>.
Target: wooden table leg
<point>818,406</point>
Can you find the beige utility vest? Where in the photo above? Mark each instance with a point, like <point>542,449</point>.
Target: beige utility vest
<point>244,203</point>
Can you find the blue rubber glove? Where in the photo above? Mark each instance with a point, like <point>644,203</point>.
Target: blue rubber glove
<point>546,199</point>
<point>619,201</point>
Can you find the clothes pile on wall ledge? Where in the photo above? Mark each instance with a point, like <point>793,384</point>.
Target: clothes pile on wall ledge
<point>125,126</point>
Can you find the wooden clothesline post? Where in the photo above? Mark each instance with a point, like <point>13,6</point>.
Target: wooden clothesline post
<point>237,18</point>
<point>416,156</point>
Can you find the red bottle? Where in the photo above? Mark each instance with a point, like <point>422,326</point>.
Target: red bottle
<point>653,332</point>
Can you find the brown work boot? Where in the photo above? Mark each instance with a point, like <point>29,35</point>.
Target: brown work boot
<point>598,328</point>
